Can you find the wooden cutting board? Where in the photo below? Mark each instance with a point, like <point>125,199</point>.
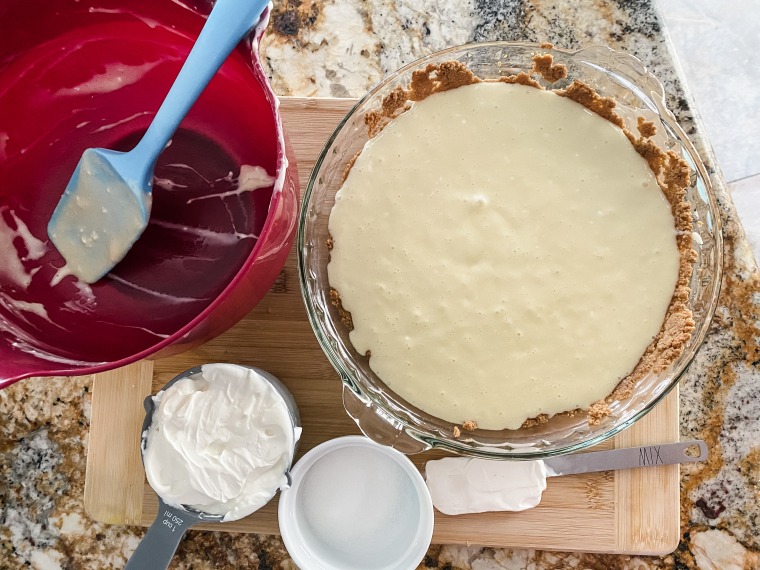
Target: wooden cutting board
<point>634,511</point>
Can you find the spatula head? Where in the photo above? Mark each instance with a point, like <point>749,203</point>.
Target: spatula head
<point>102,212</point>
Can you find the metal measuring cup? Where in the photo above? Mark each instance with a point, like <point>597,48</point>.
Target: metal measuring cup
<point>160,542</point>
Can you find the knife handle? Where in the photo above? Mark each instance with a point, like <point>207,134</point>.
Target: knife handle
<point>628,458</point>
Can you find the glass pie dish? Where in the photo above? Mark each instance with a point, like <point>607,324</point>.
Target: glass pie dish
<point>386,417</point>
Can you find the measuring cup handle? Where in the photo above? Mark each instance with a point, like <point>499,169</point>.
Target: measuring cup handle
<point>159,544</point>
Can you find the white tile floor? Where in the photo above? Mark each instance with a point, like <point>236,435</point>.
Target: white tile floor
<point>711,37</point>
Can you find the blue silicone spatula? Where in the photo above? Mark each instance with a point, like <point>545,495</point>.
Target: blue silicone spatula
<point>106,205</point>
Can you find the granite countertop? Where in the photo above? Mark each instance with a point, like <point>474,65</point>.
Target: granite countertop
<point>340,48</point>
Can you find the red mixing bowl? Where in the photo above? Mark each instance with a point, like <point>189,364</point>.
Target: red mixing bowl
<point>92,73</point>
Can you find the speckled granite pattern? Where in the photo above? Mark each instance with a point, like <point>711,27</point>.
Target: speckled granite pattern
<point>340,48</point>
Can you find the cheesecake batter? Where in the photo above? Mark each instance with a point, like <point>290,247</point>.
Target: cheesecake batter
<point>504,253</point>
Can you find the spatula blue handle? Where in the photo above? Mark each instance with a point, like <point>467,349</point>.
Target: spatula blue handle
<point>228,23</point>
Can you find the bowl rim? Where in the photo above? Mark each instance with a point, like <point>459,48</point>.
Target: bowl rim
<point>457,446</point>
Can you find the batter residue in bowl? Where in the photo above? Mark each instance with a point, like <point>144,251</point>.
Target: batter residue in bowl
<point>506,253</point>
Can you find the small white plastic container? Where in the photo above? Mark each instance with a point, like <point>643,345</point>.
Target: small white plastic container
<point>356,504</point>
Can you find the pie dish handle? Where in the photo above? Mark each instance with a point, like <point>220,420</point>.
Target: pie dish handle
<point>380,426</point>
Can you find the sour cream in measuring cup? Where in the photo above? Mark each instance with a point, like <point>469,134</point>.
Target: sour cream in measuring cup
<point>221,440</point>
